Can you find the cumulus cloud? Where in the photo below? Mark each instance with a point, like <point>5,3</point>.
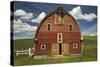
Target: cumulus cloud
<point>39,18</point>
<point>93,34</point>
<point>23,14</point>
<point>22,30</point>
<point>20,12</point>
<point>20,26</point>
<point>77,13</point>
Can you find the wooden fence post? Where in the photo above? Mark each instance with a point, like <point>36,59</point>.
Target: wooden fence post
<point>29,52</point>
<point>17,53</point>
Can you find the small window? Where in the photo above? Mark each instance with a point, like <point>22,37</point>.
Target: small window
<point>75,45</point>
<point>58,18</point>
<point>49,27</point>
<point>59,37</point>
<point>43,46</point>
<point>70,28</point>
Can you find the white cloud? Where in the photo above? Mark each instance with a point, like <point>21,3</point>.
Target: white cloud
<point>27,16</point>
<point>20,26</point>
<point>23,30</point>
<point>39,18</point>
<point>93,34</point>
<point>20,12</point>
<point>77,13</point>
<point>23,14</point>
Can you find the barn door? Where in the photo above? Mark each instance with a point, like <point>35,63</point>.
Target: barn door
<point>60,48</point>
<point>59,41</point>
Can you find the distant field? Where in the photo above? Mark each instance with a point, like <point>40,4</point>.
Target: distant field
<point>23,43</point>
<point>90,53</point>
<point>89,40</point>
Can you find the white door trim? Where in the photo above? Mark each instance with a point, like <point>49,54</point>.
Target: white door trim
<point>59,39</point>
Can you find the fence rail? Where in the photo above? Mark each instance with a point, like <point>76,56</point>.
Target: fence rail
<point>29,52</point>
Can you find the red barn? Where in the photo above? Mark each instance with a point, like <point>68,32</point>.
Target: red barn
<point>58,34</point>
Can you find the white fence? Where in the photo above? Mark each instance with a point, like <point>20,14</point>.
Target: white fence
<point>29,52</point>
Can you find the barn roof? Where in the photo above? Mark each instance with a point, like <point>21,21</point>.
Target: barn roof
<point>59,9</point>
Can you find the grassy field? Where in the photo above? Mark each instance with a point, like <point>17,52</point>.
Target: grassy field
<point>90,53</point>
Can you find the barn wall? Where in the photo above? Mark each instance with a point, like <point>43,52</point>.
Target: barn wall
<point>38,50</point>
<point>51,37</point>
<point>75,50</point>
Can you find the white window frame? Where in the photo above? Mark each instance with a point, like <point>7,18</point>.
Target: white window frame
<point>59,18</point>
<point>42,47</point>
<point>75,45</point>
<point>59,38</point>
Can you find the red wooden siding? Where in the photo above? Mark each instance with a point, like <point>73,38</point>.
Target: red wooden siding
<point>39,51</point>
<point>74,50</point>
<point>51,37</point>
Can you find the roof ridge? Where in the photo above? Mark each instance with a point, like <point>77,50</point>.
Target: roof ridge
<point>60,9</point>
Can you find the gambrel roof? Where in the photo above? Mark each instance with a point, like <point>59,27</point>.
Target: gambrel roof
<point>59,9</point>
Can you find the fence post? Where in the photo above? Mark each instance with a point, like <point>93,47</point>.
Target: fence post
<point>25,51</point>
<point>29,52</point>
<point>17,53</point>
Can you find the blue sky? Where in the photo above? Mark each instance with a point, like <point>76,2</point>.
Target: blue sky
<point>27,15</point>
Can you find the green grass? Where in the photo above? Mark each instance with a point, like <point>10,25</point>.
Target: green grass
<point>89,40</point>
<point>90,53</point>
<point>23,43</point>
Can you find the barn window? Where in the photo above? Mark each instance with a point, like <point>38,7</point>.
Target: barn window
<point>49,27</point>
<point>59,37</point>
<point>70,28</point>
<point>43,46</point>
<point>58,17</point>
<point>75,45</point>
